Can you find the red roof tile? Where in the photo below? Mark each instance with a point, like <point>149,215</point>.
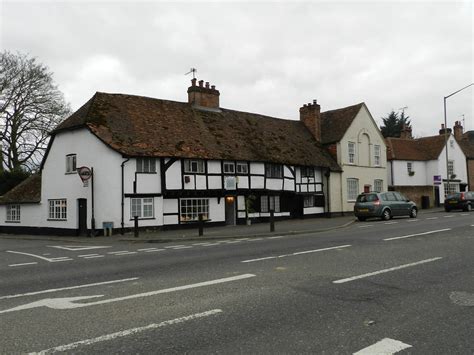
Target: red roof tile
<point>28,191</point>
<point>335,123</point>
<point>426,148</point>
<point>467,144</point>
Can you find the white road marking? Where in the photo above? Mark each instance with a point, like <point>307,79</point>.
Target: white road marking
<point>153,250</point>
<point>128,332</point>
<point>464,214</point>
<point>385,346</point>
<point>432,218</point>
<point>33,263</point>
<point>231,241</point>
<point>450,216</point>
<point>125,253</point>
<point>366,226</point>
<point>210,244</point>
<point>417,234</point>
<point>174,246</point>
<point>79,248</point>
<point>68,288</point>
<point>277,237</point>
<point>385,270</point>
<point>391,223</point>
<point>145,249</point>
<point>202,243</point>
<point>242,238</point>
<point>86,255</point>
<point>413,220</point>
<point>51,260</point>
<point>69,302</point>
<point>94,256</point>
<point>183,247</point>
<point>255,239</point>
<point>294,254</point>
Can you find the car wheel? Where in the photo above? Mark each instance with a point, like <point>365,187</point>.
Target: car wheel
<point>413,212</point>
<point>362,219</point>
<point>468,208</point>
<point>386,215</point>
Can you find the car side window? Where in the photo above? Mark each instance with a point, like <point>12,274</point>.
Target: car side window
<point>390,196</point>
<point>399,196</point>
<point>384,197</point>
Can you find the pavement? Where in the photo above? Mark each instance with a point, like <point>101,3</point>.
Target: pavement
<point>283,227</point>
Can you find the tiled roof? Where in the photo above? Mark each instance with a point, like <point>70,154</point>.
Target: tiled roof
<point>28,191</point>
<point>467,144</point>
<point>427,148</point>
<point>335,123</point>
<point>142,126</point>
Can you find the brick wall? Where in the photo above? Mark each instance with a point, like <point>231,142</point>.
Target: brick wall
<point>414,193</point>
<point>470,174</point>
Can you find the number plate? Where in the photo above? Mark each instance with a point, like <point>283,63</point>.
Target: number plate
<point>452,202</point>
<point>363,210</point>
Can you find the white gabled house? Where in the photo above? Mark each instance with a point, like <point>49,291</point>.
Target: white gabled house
<point>169,162</point>
<point>417,167</point>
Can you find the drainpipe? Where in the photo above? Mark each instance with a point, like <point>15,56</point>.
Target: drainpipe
<point>328,188</point>
<point>123,197</point>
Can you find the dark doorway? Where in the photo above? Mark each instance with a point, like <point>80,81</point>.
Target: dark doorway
<point>436,191</point>
<point>82,216</point>
<point>230,210</point>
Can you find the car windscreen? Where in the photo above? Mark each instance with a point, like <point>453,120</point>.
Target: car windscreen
<point>367,198</point>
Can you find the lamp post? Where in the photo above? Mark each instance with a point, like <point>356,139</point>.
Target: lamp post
<point>446,132</point>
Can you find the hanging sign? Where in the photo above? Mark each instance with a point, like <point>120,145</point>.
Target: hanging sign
<point>437,179</point>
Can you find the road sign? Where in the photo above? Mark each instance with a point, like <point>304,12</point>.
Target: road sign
<point>84,173</point>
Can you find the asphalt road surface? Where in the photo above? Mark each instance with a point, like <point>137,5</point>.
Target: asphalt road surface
<point>402,286</point>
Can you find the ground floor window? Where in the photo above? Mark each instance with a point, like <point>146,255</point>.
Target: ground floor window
<point>57,209</point>
<point>352,189</point>
<point>268,203</point>
<point>142,207</point>
<point>453,187</point>
<point>378,185</point>
<point>13,213</point>
<point>191,208</point>
<point>308,201</point>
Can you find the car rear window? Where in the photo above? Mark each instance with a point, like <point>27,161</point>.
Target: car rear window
<point>454,195</point>
<point>367,198</point>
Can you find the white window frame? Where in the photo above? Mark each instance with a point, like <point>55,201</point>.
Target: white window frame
<point>57,209</point>
<point>71,163</point>
<point>268,203</point>
<point>242,168</point>
<point>229,167</point>
<point>409,167</point>
<point>351,152</point>
<point>193,166</point>
<point>191,208</point>
<point>143,207</point>
<point>13,213</point>
<point>378,185</point>
<point>274,171</point>
<point>453,187</point>
<point>307,172</point>
<point>352,189</point>
<point>450,168</point>
<point>146,165</point>
<point>377,151</point>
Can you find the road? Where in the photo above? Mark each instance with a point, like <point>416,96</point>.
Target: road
<point>402,286</point>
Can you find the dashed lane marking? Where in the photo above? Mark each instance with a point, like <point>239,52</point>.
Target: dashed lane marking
<point>153,250</point>
<point>145,249</point>
<point>255,239</point>
<point>366,226</point>
<point>277,237</point>
<point>23,264</point>
<point>464,214</point>
<point>385,270</point>
<point>295,254</point>
<point>413,220</point>
<point>391,223</point>
<point>174,246</point>
<point>125,253</point>
<point>94,256</point>
<point>79,248</point>
<point>118,252</point>
<point>417,234</point>
<point>128,332</point>
<point>51,260</point>
<point>432,218</point>
<point>86,255</point>
<point>385,346</point>
<point>68,288</point>
<point>450,216</point>
<point>210,244</point>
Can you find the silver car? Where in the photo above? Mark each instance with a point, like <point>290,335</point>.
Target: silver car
<point>384,205</point>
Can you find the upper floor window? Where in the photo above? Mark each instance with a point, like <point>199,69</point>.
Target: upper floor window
<point>377,155</point>
<point>146,165</point>
<point>13,213</point>
<point>70,163</point>
<point>450,167</point>
<point>351,148</point>
<point>273,170</point>
<point>57,209</point>
<point>194,166</point>
<point>307,171</point>
<point>410,168</point>
<point>451,143</point>
<point>242,168</point>
<point>378,185</point>
<point>229,167</point>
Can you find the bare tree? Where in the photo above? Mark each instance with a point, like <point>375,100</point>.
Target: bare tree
<point>30,107</point>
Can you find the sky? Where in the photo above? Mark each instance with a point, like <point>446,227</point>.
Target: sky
<point>264,57</point>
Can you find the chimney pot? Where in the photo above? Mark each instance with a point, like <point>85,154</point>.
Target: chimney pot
<point>442,125</point>
<point>213,87</point>
<point>201,82</point>
<point>315,102</point>
<point>207,84</point>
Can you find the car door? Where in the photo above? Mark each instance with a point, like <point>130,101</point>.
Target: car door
<point>403,204</point>
<point>392,202</point>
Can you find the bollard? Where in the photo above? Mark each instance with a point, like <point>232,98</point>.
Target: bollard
<point>272,221</point>
<point>135,229</point>
<point>201,225</point>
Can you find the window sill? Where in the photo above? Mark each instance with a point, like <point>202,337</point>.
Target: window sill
<point>143,219</point>
<point>12,221</point>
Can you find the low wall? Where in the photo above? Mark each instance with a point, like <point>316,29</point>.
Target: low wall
<point>415,193</point>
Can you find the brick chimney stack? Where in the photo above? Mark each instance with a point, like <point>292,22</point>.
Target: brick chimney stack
<point>405,133</point>
<point>204,96</point>
<point>458,130</point>
<point>442,130</point>
<point>310,115</point>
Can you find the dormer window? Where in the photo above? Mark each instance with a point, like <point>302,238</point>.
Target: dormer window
<point>70,163</point>
<point>307,171</point>
<point>146,165</point>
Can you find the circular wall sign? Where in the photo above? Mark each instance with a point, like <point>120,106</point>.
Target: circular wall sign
<point>84,173</point>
